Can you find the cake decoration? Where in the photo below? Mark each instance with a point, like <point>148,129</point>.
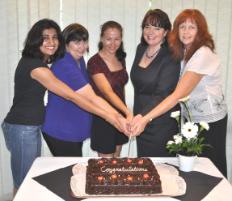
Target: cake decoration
<point>122,176</point>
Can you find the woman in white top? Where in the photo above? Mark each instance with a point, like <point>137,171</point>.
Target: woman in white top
<point>200,78</point>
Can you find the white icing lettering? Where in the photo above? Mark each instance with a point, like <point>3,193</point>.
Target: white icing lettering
<point>123,169</point>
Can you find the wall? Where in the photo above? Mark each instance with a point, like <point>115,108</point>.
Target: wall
<point>21,14</point>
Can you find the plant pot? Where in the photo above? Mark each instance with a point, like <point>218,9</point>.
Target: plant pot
<point>186,163</point>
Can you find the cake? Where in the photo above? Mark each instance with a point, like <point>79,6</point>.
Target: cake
<point>122,176</point>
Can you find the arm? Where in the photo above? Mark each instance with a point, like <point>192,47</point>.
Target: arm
<point>45,77</point>
<point>48,80</point>
<point>106,89</point>
<point>184,87</point>
<point>88,93</point>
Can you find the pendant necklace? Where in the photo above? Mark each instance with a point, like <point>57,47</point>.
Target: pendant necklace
<point>152,55</point>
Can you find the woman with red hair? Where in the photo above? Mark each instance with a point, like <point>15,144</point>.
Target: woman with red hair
<point>200,78</point>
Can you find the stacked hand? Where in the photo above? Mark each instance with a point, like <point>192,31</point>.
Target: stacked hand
<point>131,126</point>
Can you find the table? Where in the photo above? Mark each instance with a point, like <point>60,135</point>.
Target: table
<point>31,190</point>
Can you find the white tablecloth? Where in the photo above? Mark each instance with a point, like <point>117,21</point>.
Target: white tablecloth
<point>30,190</point>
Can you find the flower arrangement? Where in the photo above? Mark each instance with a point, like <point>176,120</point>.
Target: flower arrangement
<point>189,140</point>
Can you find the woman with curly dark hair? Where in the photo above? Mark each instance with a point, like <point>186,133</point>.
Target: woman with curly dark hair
<point>21,127</point>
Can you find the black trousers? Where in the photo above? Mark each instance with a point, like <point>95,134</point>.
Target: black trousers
<point>63,148</point>
<point>216,138</point>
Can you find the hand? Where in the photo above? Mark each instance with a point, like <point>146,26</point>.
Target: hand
<point>138,125</point>
<point>119,122</point>
<point>129,117</point>
<point>125,125</point>
<point>136,119</point>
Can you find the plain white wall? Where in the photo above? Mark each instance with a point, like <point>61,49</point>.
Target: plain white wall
<point>17,16</point>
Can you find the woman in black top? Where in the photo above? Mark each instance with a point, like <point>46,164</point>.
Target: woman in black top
<point>154,75</point>
<point>21,127</point>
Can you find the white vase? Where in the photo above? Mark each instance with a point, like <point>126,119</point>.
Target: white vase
<point>186,163</point>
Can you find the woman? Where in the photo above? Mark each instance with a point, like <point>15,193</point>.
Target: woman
<point>66,138</point>
<point>154,75</point>
<point>108,74</point>
<point>21,127</point>
<point>191,42</point>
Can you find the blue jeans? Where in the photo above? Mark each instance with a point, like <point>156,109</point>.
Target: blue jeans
<point>24,144</point>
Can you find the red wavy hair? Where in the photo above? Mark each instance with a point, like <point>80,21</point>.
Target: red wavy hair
<point>203,37</point>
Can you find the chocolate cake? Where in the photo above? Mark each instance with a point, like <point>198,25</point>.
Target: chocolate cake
<point>122,176</point>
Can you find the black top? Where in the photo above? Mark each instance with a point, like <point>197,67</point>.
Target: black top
<point>155,82</point>
<point>28,104</point>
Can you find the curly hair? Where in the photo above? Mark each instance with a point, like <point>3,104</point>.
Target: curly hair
<point>120,53</point>
<point>203,37</point>
<point>35,39</point>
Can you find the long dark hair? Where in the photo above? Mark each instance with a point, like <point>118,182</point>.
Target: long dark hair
<point>157,18</point>
<point>203,37</point>
<point>120,53</point>
<point>35,39</point>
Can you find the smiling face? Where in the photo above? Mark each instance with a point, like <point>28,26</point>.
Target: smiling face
<point>50,42</point>
<point>154,36</point>
<point>77,48</point>
<point>187,32</point>
<point>111,40</point>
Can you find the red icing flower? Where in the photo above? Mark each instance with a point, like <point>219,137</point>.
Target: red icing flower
<point>100,178</point>
<point>145,176</point>
<point>140,162</point>
<point>114,176</point>
<point>129,160</point>
<point>100,162</point>
<point>114,162</point>
<point>129,178</point>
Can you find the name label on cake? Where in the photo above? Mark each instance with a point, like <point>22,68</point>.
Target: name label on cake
<point>123,169</point>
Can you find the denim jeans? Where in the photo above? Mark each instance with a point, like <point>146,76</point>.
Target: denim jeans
<point>24,144</point>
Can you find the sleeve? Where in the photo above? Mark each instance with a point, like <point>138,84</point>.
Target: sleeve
<point>76,80</point>
<point>70,74</point>
<point>168,78</point>
<point>204,61</point>
<point>33,63</point>
<point>94,66</point>
<point>165,85</point>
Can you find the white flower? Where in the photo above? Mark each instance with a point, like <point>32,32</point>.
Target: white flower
<point>186,98</point>
<point>170,142</point>
<point>189,130</point>
<point>204,125</point>
<point>175,114</point>
<point>178,139</point>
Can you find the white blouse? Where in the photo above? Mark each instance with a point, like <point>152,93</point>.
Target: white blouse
<point>207,102</point>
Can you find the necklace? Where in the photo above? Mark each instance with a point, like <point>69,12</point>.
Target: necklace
<point>152,55</point>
